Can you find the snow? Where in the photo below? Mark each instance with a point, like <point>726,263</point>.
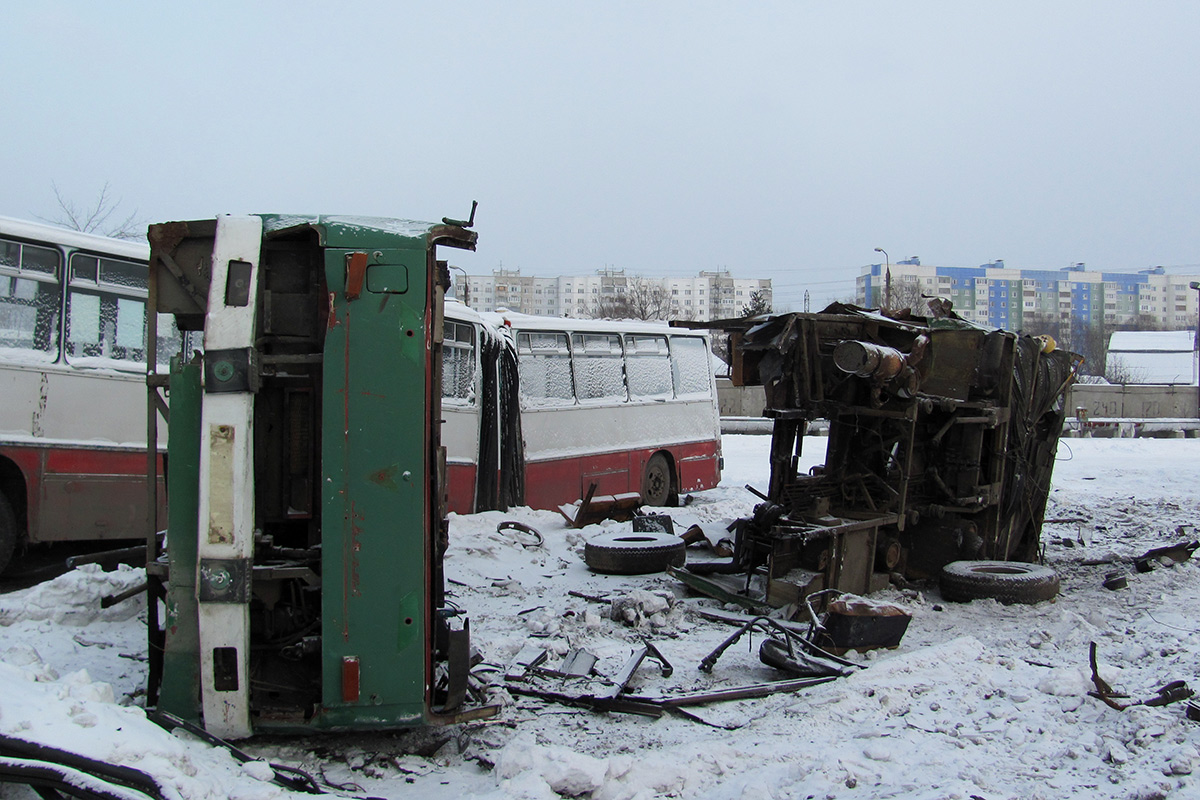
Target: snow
<point>980,700</point>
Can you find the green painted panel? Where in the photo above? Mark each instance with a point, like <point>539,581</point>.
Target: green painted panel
<point>180,690</point>
<point>374,515</point>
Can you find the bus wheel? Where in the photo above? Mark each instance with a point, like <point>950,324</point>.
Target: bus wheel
<point>634,553</point>
<point>656,481</point>
<point>8,532</point>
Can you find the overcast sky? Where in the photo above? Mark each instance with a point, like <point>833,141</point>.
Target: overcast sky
<point>776,139</point>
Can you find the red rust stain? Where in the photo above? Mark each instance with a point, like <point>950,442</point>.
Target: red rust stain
<point>333,320</point>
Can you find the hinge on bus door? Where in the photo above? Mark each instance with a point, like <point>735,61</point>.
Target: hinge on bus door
<point>234,370</point>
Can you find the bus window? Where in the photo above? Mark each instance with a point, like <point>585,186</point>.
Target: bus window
<point>458,362</point>
<point>648,367</point>
<point>692,366</point>
<point>29,299</point>
<point>598,366</point>
<point>104,322</point>
<point>545,369</point>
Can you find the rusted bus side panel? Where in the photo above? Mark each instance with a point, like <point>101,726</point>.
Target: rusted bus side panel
<point>58,481</point>
<point>548,482</point>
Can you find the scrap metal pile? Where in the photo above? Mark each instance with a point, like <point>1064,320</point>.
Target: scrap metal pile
<point>942,437</point>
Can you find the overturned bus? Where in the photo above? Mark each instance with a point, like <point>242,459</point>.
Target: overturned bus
<point>302,579</point>
<point>942,437</point>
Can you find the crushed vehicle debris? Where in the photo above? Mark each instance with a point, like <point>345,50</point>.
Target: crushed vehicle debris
<point>941,444</point>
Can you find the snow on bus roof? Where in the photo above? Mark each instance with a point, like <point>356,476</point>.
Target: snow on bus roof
<point>395,227</point>
<point>533,322</point>
<point>41,232</point>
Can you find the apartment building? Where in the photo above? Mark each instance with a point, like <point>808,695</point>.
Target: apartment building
<point>999,296</point>
<point>709,295</point>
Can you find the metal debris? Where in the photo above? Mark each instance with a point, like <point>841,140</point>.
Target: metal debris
<point>1172,692</point>
<point>1167,556</point>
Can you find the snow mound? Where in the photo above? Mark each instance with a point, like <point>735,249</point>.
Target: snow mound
<point>74,597</point>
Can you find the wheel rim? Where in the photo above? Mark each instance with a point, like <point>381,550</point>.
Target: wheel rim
<point>657,484</point>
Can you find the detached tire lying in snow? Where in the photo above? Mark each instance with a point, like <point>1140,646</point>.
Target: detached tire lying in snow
<point>634,553</point>
<point>1006,581</point>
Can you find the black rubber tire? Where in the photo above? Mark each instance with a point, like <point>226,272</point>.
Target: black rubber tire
<point>1006,581</point>
<point>8,532</point>
<point>634,553</point>
<point>656,481</point>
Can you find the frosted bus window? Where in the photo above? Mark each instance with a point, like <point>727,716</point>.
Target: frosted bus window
<point>29,316</point>
<point>458,362</point>
<point>648,367</point>
<point>131,323</point>
<point>29,299</point>
<point>39,259</point>
<point>123,273</point>
<point>692,366</point>
<point>598,366</point>
<point>545,367</point>
<point>83,325</point>
<point>170,339</point>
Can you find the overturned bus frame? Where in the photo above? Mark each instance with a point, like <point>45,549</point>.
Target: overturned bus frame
<point>941,444</point>
<point>302,579</point>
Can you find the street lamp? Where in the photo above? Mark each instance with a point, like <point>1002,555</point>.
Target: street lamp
<point>466,294</point>
<point>887,280</point>
<point>1196,343</point>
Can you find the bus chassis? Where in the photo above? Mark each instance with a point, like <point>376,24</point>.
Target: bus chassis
<point>941,445</point>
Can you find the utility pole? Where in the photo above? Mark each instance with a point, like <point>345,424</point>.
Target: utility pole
<point>1196,344</point>
<point>887,303</point>
<point>806,301</point>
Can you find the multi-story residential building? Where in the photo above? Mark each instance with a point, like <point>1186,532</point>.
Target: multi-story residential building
<point>710,295</point>
<point>1000,296</point>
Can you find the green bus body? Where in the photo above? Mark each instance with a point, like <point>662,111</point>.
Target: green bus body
<point>343,592</point>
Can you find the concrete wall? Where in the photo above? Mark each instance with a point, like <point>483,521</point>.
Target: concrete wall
<point>740,401</point>
<point>1101,401</point>
<point>1132,401</point>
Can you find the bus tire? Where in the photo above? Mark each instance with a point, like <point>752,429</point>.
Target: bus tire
<point>656,481</point>
<point>8,532</point>
<point>1006,581</point>
<point>634,553</point>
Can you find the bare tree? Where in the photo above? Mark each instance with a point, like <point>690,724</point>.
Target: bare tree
<point>95,218</point>
<point>906,295</point>
<point>641,299</point>
<point>1119,371</point>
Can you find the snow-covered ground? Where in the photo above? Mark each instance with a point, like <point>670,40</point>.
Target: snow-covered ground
<point>979,701</point>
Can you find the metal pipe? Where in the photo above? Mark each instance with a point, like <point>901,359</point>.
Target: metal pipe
<point>868,360</point>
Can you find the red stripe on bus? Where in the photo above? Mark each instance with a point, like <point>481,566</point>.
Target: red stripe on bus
<point>554,482</point>
<point>95,462</point>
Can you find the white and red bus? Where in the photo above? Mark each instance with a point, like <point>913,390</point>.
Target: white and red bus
<point>538,409</point>
<point>73,383</point>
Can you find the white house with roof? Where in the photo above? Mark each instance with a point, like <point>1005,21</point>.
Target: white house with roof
<point>1153,357</point>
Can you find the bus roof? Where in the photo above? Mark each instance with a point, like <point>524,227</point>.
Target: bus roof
<point>342,230</point>
<point>533,322</point>
<point>41,232</point>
